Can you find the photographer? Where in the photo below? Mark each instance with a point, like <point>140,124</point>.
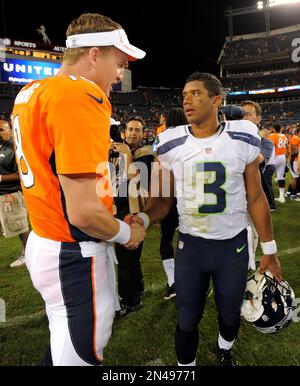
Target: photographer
<point>130,276</point>
<point>253,114</point>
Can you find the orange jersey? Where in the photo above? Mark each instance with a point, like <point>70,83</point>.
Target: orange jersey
<point>294,142</point>
<point>280,141</point>
<point>61,126</point>
<point>160,129</point>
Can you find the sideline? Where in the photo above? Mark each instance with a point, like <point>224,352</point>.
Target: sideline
<point>19,320</point>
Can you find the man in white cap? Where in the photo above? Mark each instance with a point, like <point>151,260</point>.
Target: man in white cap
<point>61,132</point>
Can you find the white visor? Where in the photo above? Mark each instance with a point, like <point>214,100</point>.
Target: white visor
<point>116,38</point>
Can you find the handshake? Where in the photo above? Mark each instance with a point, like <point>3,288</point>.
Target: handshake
<point>137,231</point>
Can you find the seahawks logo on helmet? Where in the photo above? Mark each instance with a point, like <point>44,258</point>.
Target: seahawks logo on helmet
<point>267,304</point>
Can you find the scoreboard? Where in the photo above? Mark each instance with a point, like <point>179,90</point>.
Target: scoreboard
<point>21,62</point>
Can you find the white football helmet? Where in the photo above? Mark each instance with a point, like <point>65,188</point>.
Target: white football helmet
<point>267,303</point>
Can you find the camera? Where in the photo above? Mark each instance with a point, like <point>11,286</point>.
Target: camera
<point>232,112</point>
<point>113,154</point>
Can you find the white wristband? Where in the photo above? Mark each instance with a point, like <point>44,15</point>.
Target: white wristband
<point>145,218</point>
<point>123,236</point>
<point>269,248</point>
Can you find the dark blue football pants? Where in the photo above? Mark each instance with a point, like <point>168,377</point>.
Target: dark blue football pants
<point>168,227</point>
<point>197,260</point>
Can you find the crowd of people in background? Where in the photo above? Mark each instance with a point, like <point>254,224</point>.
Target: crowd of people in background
<point>250,82</point>
<point>153,122</point>
<point>84,219</point>
<point>248,48</point>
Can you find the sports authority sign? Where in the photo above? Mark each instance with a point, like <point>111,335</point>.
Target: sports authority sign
<point>31,45</point>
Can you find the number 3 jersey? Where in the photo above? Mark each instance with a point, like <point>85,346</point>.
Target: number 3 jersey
<point>209,176</point>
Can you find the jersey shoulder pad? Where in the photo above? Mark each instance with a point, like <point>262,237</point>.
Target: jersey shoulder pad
<point>171,138</point>
<point>70,87</point>
<point>173,132</point>
<point>244,126</point>
<point>244,131</point>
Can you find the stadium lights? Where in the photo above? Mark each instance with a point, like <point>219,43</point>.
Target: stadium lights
<point>260,5</point>
<point>275,3</point>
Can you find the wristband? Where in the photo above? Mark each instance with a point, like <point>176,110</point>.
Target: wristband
<point>145,218</point>
<point>123,236</point>
<point>269,248</point>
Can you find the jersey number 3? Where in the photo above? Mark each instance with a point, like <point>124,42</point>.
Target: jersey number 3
<point>212,176</point>
<point>24,168</point>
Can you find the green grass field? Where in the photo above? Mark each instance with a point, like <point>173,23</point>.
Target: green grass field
<point>146,337</point>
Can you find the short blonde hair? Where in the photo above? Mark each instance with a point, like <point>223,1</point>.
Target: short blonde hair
<point>87,23</point>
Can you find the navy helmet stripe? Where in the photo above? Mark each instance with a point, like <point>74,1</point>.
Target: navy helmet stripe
<point>244,137</point>
<point>165,148</point>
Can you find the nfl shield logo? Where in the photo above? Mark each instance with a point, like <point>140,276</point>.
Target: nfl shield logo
<point>208,150</point>
<point>180,244</point>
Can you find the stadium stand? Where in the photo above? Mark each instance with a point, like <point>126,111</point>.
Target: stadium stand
<point>250,48</point>
<point>260,67</point>
<point>249,65</point>
<point>8,92</point>
<point>147,102</point>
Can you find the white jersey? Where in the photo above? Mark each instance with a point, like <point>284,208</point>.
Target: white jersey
<point>209,177</point>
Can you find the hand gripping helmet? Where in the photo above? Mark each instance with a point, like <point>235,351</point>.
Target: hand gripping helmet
<point>267,304</point>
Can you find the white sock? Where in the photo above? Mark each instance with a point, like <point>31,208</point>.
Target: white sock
<point>189,364</point>
<point>224,344</point>
<point>281,192</point>
<point>169,269</point>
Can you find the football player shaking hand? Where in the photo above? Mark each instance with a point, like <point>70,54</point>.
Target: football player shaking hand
<point>213,168</point>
